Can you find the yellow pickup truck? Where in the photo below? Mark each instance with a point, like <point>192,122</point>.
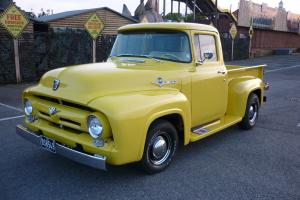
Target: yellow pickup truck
<point>164,84</point>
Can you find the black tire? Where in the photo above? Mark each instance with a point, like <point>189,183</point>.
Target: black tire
<point>157,159</point>
<point>251,113</point>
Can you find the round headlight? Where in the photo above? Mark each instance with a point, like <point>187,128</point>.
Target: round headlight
<point>28,107</point>
<point>95,126</point>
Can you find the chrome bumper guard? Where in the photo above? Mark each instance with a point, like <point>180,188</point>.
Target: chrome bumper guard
<point>267,86</point>
<point>98,162</point>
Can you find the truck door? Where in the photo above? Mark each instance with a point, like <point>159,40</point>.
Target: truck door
<point>209,81</point>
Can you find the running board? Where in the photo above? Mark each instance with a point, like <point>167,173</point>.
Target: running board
<point>203,129</point>
<point>206,130</point>
<point>200,131</point>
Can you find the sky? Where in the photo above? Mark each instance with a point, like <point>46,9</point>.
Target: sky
<point>66,5</point>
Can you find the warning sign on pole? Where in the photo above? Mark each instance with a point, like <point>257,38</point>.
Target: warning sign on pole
<point>233,34</point>
<point>233,31</point>
<point>251,33</point>
<point>94,26</point>
<point>14,21</point>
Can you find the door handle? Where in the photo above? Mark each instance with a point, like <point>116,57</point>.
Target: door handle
<point>221,72</point>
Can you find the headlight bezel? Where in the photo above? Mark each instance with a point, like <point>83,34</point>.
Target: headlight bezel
<point>94,133</point>
<point>28,108</point>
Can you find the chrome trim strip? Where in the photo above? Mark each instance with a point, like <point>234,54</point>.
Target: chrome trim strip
<point>98,162</point>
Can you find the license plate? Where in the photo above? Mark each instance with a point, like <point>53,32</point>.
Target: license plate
<point>48,144</point>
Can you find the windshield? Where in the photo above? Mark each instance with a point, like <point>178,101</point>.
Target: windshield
<point>172,46</point>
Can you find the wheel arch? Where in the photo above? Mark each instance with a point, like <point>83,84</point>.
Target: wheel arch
<point>173,116</point>
<point>258,92</point>
<point>177,121</point>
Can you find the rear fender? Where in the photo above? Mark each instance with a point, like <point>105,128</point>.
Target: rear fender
<point>239,91</point>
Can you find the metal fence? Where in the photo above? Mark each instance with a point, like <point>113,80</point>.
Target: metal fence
<point>240,49</point>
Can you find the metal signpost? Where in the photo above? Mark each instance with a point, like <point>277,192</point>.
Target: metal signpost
<point>233,33</point>
<point>251,32</point>
<point>14,21</point>
<point>94,26</point>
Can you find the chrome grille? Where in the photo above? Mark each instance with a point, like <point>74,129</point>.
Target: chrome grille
<point>70,116</point>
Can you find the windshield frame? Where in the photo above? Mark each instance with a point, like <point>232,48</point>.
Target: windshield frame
<point>157,31</point>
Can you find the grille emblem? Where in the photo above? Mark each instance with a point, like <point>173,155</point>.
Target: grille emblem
<point>56,84</point>
<point>53,110</point>
<point>161,82</point>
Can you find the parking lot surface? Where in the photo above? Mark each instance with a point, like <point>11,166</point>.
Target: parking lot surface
<point>263,163</point>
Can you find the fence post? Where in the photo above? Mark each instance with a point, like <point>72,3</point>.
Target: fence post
<point>17,60</point>
<point>232,48</point>
<point>94,51</point>
<point>250,46</point>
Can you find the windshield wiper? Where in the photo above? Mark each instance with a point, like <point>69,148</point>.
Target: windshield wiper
<point>151,57</point>
<point>125,55</point>
<point>141,56</point>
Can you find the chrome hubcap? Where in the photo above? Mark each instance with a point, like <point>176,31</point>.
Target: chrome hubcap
<point>253,114</point>
<point>160,149</point>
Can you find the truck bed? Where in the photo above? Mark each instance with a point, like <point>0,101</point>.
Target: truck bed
<point>245,71</point>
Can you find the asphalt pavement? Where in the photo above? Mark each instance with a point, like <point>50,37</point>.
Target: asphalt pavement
<point>263,163</point>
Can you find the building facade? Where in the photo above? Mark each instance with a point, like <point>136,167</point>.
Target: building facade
<point>265,17</point>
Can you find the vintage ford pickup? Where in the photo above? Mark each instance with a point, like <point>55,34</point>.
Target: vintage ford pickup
<point>164,84</point>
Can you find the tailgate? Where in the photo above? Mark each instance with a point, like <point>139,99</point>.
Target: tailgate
<point>241,71</point>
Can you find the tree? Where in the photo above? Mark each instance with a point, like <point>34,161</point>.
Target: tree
<point>45,13</point>
<point>174,17</point>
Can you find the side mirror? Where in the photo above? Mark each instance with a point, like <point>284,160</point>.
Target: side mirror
<point>207,56</point>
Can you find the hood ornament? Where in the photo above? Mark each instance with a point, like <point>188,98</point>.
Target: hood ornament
<point>161,82</point>
<point>53,110</point>
<point>56,84</point>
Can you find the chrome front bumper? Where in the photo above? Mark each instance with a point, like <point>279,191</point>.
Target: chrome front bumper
<point>98,162</point>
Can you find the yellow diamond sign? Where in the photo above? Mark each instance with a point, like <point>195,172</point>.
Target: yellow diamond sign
<point>14,21</point>
<point>94,26</point>
<point>233,31</point>
<point>251,31</point>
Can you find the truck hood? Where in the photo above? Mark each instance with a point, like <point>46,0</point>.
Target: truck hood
<point>84,83</point>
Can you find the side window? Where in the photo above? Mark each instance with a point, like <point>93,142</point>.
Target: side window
<point>197,47</point>
<point>205,44</point>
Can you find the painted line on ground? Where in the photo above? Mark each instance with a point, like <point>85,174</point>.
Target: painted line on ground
<point>10,118</point>
<point>282,68</point>
<point>11,107</point>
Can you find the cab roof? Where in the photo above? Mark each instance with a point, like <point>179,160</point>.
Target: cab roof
<point>168,26</point>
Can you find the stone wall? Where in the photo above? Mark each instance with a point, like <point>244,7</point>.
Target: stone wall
<point>7,69</point>
<point>48,51</point>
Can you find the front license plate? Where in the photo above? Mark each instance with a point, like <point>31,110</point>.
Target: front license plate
<point>48,144</point>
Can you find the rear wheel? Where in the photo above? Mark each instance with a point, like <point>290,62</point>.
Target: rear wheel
<point>160,147</point>
<point>251,114</point>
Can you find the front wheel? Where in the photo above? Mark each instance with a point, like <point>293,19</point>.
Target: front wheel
<point>160,147</point>
<point>251,114</point>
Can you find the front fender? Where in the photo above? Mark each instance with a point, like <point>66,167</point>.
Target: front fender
<point>131,114</point>
<point>239,91</point>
